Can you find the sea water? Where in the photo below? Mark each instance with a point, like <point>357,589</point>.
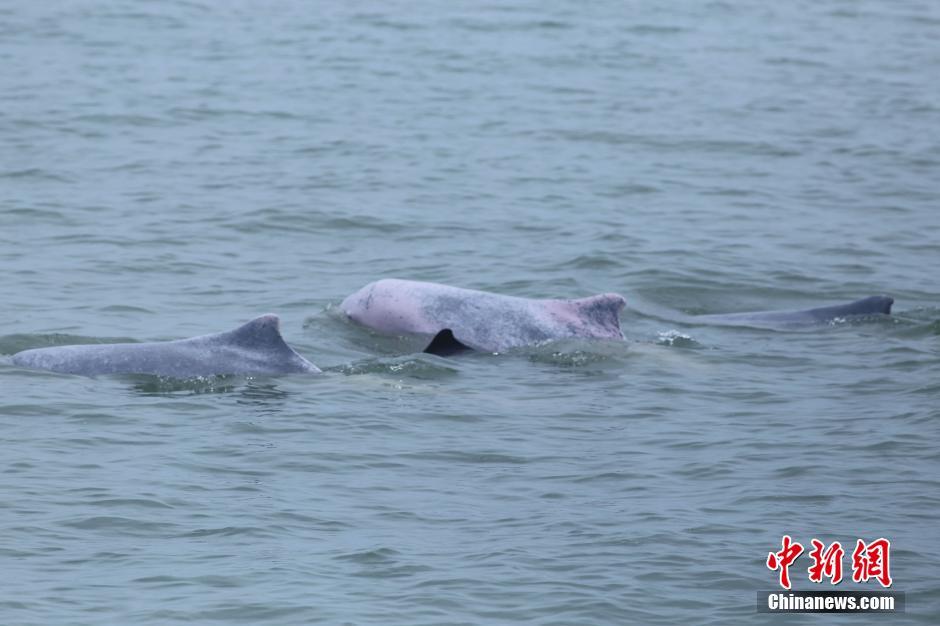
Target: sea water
<point>177,168</point>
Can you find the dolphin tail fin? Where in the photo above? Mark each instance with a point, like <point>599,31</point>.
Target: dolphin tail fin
<point>445,344</point>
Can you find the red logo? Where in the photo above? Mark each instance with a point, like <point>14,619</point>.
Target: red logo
<point>826,563</point>
<point>869,560</point>
<point>783,559</point>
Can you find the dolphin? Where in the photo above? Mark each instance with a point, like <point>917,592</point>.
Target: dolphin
<point>456,319</point>
<point>872,305</point>
<point>255,348</point>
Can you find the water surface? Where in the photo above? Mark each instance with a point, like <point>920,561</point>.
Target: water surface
<point>178,168</point>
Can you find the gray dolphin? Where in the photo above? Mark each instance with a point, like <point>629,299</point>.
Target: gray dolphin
<point>457,319</point>
<point>872,305</point>
<point>256,348</point>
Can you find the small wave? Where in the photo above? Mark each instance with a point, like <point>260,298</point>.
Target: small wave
<point>34,213</point>
<point>576,353</point>
<point>423,367</point>
<point>471,458</point>
<point>126,308</point>
<point>655,29</point>
<point>114,525</point>
<point>35,173</point>
<point>918,322</point>
<point>127,502</point>
<point>676,339</point>
<point>593,261</point>
<point>116,119</point>
<point>491,26</point>
<point>228,531</point>
<point>151,385</point>
<point>370,557</point>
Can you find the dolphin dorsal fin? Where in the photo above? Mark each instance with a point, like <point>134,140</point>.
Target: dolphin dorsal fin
<point>607,301</point>
<point>602,309</point>
<point>263,330</point>
<point>445,344</point>
<point>873,304</point>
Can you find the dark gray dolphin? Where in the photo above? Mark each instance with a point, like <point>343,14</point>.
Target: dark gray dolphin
<point>872,305</point>
<point>456,319</point>
<point>256,348</point>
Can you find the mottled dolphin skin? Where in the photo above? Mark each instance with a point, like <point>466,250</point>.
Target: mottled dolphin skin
<point>872,305</point>
<point>464,318</point>
<point>256,348</point>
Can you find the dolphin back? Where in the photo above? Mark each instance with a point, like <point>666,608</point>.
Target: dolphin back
<point>256,348</point>
<point>459,319</point>
<point>872,305</point>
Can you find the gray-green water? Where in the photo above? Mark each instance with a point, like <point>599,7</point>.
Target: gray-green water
<point>171,169</point>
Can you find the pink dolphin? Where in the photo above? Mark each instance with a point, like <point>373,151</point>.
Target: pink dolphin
<point>458,318</point>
